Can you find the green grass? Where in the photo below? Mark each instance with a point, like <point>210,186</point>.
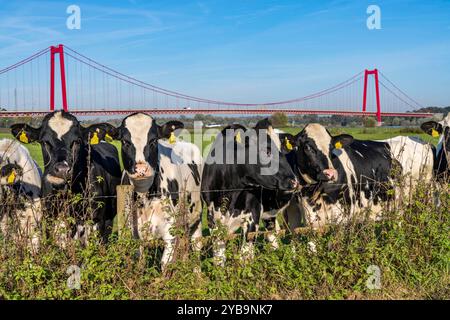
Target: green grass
<point>358,133</point>
<point>34,148</point>
<point>374,133</point>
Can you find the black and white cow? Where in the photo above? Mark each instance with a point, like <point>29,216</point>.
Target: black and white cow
<point>165,176</point>
<point>245,178</point>
<point>442,155</point>
<point>343,176</point>
<point>74,155</point>
<point>20,180</point>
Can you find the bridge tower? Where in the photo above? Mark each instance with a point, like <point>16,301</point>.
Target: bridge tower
<point>53,51</point>
<point>373,72</point>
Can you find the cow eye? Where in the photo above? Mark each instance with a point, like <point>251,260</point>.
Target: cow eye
<point>47,144</point>
<point>308,148</point>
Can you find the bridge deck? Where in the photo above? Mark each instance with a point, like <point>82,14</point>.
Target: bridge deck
<point>15,114</point>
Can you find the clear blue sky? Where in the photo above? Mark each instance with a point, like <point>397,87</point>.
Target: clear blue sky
<point>247,50</point>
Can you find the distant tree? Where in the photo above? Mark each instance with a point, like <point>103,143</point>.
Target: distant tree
<point>279,119</point>
<point>396,121</point>
<point>370,122</point>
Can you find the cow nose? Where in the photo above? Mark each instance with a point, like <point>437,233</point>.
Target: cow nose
<point>141,169</point>
<point>294,184</point>
<point>61,169</point>
<point>331,174</point>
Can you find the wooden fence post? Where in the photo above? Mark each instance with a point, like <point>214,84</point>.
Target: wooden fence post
<point>124,206</point>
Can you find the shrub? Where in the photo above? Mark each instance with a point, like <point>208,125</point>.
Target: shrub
<point>410,246</point>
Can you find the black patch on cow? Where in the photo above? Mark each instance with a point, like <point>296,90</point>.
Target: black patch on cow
<point>240,188</point>
<point>173,190</point>
<point>195,173</point>
<point>309,159</point>
<point>442,159</point>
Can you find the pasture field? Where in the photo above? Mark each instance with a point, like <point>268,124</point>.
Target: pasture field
<point>359,133</point>
<point>410,248</point>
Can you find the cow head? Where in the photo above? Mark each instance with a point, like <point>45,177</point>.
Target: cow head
<point>259,155</point>
<point>10,173</point>
<point>442,130</point>
<point>62,139</point>
<point>315,148</point>
<point>139,136</point>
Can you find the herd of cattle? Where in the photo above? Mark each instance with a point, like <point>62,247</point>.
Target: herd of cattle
<point>320,178</point>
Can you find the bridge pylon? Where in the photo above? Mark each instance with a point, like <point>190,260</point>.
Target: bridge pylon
<point>373,72</point>
<point>53,51</point>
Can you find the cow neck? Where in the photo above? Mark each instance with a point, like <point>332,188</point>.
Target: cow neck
<point>155,188</point>
<point>442,162</point>
<point>80,168</point>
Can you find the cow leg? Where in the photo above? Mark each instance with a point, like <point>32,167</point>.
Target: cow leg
<point>219,253</point>
<point>61,233</point>
<point>197,245</point>
<point>196,238</point>
<point>167,255</point>
<point>294,214</point>
<point>108,229</point>
<point>35,231</point>
<point>247,249</point>
<point>272,238</point>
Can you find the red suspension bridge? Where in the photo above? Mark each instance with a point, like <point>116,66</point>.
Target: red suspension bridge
<point>87,88</point>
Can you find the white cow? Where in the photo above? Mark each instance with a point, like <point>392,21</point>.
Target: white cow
<point>21,184</point>
<point>344,177</point>
<point>165,176</point>
<point>416,159</point>
<point>442,156</point>
<point>177,190</point>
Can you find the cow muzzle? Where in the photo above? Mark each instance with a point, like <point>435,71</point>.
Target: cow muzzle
<point>289,186</point>
<point>60,173</point>
<point>330,174</point>
<point>61,170</point>
<point>141,171</point>
<point>294,185</point>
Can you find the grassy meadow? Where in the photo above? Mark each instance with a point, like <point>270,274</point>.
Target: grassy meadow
<point>378,133</point>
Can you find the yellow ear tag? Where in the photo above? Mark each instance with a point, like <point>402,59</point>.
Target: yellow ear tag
<point>94,139</point>
<point>434,133</point>
<point>172,138</point>
<point>12,177</point>
<point>238,137</point>
<point>287,143</point>
<point>108,138</point>
<point>23,137</point>
<point>338,145</point>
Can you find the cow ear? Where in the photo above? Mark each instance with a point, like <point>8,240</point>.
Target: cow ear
<point>432,128</point>
<point>9,173</point>
<point>25,133</point>
<point>263,124</point>
<point>238,132</point>
<point>341,141</point>
<point>287,142</point>
<point>166,130</point>
<point>100,132</point>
